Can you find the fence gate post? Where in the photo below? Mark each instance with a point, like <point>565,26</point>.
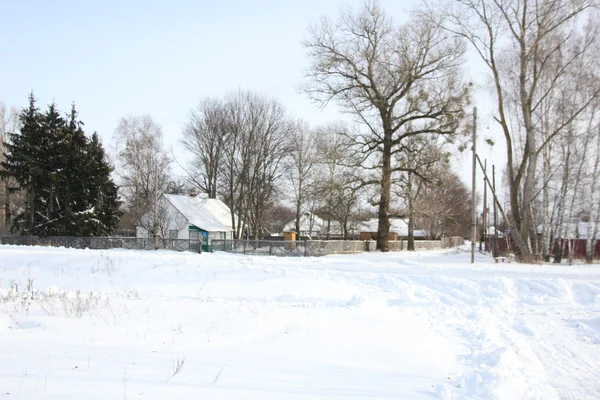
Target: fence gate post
<point>270,248</point>
<point>305,247</point>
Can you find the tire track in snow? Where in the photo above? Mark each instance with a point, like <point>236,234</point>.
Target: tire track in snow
<point>569,362</point>
<point>489,316</point>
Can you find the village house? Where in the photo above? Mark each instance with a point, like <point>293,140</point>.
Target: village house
<point>192,217</point>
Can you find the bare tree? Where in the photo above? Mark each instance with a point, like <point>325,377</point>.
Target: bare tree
<point>277,216</point>
<point>302,162</point>
<point>256,143</point>
<point>340,185</point>
<point>443,207</point>
<point>399,80</point>
<point>205,135</point>
<point>142,166</point>
<point>594,196</point>
<point>530,48</point>
<point>417,163</point>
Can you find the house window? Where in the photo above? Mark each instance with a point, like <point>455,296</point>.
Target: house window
<point>194,234</point>
<point>150,234</point>
<point>173,233</point>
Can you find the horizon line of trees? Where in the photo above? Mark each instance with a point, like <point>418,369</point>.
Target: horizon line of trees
<point>268,167</point>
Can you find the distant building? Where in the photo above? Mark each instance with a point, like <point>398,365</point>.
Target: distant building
<point>310,225</point>
<point>397,225</point>
<point>189,217</point>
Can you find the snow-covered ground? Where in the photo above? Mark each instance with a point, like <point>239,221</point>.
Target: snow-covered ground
<point>115,324</point>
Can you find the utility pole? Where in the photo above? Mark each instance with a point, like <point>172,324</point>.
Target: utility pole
<point>484,225</point>
<point>495,213</point>
<point>474,194</point>
<point>515,233</point>
<point>155,222</point>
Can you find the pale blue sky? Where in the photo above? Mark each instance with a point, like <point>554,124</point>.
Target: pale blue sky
<point>115,58</point>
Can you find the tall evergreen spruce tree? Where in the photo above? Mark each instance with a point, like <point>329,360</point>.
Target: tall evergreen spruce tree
<point>77,207</point>
<point>50,168</point>
<point>66,176</point>
<point>21,162</point>
<point>101,191</point>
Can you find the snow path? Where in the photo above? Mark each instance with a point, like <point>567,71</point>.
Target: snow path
<point>380,326</point>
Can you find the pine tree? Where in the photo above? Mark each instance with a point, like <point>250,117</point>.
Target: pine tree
<point>89,195</point>
<point>66,176</point>
<point>50,168</point>
<point>77,206</point>
<point>21,163</point>
<point>102,192</point>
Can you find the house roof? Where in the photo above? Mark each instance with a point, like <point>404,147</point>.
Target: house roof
<point>211,215</point>
<point>308,222</point>
<point>397,225</point>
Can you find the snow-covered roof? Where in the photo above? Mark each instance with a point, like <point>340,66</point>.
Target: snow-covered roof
<point>397,225</point>
<point>211,215</point>
<point>309,222</point>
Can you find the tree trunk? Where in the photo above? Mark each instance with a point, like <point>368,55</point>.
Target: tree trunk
<point>298,216</point>
<point>594,211</point>
<point>411,234</point>
<point>212,190</point>
<point>30,203</point>
<point>411,215</point>
<point>515,221</point>
<point>546,206</point>
<point>526,203</point>
<point>562,206</point>
<point>7,216</point>
<point>383,229</point>
<point>575,191</point>
<point>590,245</point>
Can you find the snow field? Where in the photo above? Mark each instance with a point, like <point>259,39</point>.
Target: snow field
<point>425,325</point>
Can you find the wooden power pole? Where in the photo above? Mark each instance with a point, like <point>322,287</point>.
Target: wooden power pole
<point>484,225</point>
<point>495,213</point>
<point>474,194</point>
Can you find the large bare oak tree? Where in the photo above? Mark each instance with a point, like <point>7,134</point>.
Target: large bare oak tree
<point>399,80</point>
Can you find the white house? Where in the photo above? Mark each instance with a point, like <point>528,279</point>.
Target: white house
<point>189,217</point>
